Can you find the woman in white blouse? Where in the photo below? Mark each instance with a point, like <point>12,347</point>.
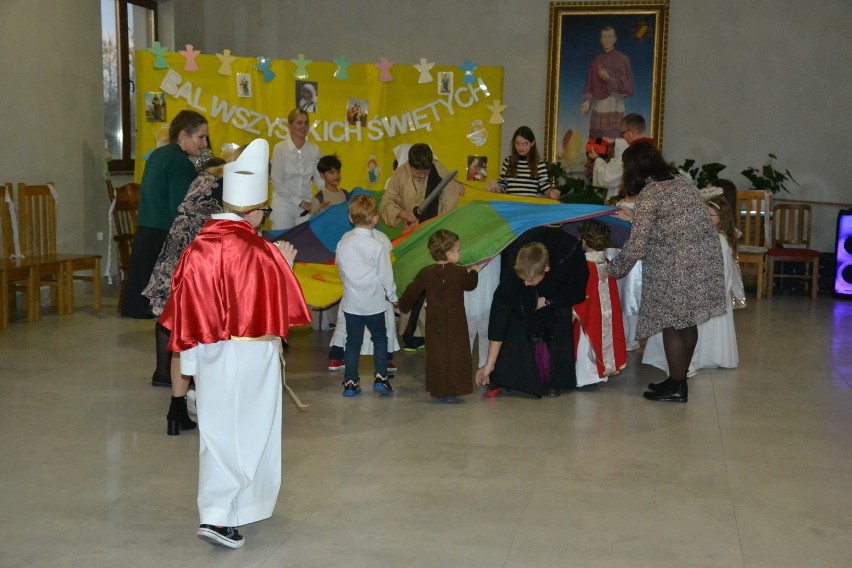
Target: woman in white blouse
<point>294,164</point>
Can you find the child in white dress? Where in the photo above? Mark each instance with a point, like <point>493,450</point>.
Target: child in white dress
<point>717,338</point>
<point>598,332</point>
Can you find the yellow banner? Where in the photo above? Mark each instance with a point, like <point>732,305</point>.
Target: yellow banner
<point>361,119</point>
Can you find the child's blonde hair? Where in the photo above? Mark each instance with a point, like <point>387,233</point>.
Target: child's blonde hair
<point>532,261</point>
<point>440,243</point>
<point>362,209</point>
<point>595,234</point>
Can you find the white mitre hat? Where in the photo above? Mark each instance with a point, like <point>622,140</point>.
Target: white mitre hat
<point>246,180</point>
<point>401,154</point>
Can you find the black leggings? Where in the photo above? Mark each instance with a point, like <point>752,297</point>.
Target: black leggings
<point>164,356</point>
<point>679,345</point>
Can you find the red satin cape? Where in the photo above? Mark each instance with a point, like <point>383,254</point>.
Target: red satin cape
<point>231,282</point>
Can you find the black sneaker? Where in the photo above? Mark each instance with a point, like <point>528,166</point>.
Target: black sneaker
<point>382,386</point>
<point>222,536</point>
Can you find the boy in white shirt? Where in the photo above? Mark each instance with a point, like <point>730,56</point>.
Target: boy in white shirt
<point>367,277</point>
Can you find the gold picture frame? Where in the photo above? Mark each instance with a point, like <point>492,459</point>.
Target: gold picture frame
<point>627,38</point>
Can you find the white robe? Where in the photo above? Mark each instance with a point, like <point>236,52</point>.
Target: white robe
<point>586,365</point>
<point>239,394</point>
<point>477,307</point>
<point>338,338</point>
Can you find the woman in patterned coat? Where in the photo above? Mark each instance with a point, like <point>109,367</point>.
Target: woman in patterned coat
<point>682,271</point>
<point>203,199</point>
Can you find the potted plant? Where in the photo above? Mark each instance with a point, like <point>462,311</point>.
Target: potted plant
<point>768,178</point>
<point>573,189</point>
<point>704,174</point>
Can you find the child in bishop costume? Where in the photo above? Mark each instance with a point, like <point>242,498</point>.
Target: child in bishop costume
<point>598,329</point>
<point>234,296</point>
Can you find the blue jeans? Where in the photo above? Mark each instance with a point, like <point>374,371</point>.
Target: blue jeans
<point>355,325</point>
<point>337,353</point>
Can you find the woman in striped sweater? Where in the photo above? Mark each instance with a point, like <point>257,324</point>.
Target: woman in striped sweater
<point>523,173</point>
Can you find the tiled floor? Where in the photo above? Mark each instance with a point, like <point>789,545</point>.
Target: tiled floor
<point>755,471</point>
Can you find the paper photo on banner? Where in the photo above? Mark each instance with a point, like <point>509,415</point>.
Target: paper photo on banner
<point>356,111</point>
<point>155,107</point>
<point>243,85</point>
<point>476,168</point>
<point>373,170</point>
<point>306,95</point>
<point>478,135</point>
<point>445,83</point>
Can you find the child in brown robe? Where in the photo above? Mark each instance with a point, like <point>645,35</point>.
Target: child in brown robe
<point>448,362</point>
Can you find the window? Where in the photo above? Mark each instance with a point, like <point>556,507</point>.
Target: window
<point>127,25</point>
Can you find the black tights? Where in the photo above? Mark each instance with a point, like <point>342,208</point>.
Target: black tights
<point>679,345</point>
<point>164,356</point>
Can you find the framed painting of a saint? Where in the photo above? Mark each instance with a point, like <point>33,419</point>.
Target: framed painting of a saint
<point>606,60</point>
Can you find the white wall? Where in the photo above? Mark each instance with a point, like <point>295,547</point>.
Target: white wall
<point>52,128</point>
<point>744,79</point>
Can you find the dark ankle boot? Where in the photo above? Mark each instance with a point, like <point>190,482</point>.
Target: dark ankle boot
<point>178,417</point>
<point>654,387</point>
<point>674,391</point>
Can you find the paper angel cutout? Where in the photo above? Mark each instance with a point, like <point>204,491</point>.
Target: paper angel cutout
<point>159,55</point>
<point>301,67</point>
<point>226,58</point>
<point>342,65</point>
<point>496,112</point>
<point>264,67</point>
<point>384,66</point>
<point>424,67</point>
<point>468,67</point>
<point>190,55</point>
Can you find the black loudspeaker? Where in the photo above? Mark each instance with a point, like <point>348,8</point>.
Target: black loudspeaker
<point>843,273</point>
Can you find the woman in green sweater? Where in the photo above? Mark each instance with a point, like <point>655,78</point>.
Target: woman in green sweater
<point>165,181</point>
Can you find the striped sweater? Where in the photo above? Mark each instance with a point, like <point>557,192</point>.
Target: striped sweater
<point>523,183</point>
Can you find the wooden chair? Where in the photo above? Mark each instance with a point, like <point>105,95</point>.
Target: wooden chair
<point>753,207</point>
<point>791,241</point>
<point>38,241</point>
<point>124,215</point>
<point>15,274</point>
